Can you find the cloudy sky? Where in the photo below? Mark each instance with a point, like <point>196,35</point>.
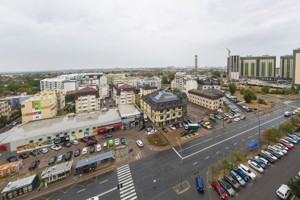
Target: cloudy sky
<point>55,34</point>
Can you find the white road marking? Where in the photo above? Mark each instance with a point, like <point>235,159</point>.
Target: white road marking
<point>227,148</point>
<point>250,136</point>
<point>108,191</point>
<point>243,140</point>
<point>235,144</point>
<point>81,190</point>
<point>217,152</point>
<point>177,152</point>
<point>197,144</point>
<point>103,181</point>
<point>195,163</point>
<point>207,157</point>
<point>218,136</point>
<point>192,154</point>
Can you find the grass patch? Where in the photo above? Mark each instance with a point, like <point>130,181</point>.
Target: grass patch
<point>157,139</point>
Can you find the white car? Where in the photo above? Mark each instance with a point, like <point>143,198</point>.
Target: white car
<point>140,143</point>
<point>262,159</point>
<point>247,171</point>
<point>283,192</point>
<point>44,150</point>
<point>255,166</point>
<point>98,147</point>
<point>269,154</point>
<point>84,151</point>
<point>152,131</point>
<point>56,147</point>
<point>276,150</point>
<point>75,142</point>
<point>237,119</point>
<point>117,141</point>
<point>282,146</point>
<point>172,127</point>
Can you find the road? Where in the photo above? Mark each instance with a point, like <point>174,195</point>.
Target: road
<point>164,167</point>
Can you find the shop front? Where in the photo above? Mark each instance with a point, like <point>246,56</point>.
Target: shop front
<point>109,129</point>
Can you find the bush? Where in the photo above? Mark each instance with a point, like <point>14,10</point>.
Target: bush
<point>265,90</point>
<point>157,139</point>
<point>261,101</point>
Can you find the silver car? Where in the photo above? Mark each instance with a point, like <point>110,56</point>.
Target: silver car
<point>237,178</point>
<point>226,186</point>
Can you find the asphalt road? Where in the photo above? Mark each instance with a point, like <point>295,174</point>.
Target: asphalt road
<point>197,155</point>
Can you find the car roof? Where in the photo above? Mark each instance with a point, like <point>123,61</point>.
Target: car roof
<point>199,181</point>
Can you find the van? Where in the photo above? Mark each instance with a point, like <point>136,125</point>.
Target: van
<point>199,183</point>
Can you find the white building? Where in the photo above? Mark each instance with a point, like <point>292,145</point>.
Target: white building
<point>190,85</point>
<point>123,94</point>
<point>70,85</point>
<point>151,82</point>
<point>51,83</point>
<point>87,100</point>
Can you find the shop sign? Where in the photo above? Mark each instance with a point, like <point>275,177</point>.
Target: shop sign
<point>3,148</point>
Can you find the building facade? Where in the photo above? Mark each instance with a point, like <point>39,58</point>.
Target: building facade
<point>51,83</point>
<point>286,67</point>
<point>151,81</point>
<point>144,90</point>
<point>15,101</point>
<point>163,107</point>
<point>209,84</point>
<point>233,67</point>
<point>123,94</point>
<point>211,99</point>
<point>87,100</point>
<point>261,67</point>
<point>5,109</point>
<point>296,66</point>
<point>42,105</point>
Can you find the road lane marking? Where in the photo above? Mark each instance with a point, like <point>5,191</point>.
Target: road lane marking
<point>103,181</point>
<point>217,152</point>
<point>195,163</point>
<point>197,144</point>
<point>80,190</point>
<point>218,136</point>
<point>235,144</point>
<point>177,152</point>
<point>207,157</point>
<point>192,154</point>
<point>243,140</point>
<point>108,191</point>
<point>250,136</point>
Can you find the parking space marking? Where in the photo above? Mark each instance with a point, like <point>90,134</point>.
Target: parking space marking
<point>80,190</point>
<point>103,181</point>
<point>207,157</point>
<point>217,152</point>
<point>218,136</point>
<point>235,144</point>
<point>195,163</point>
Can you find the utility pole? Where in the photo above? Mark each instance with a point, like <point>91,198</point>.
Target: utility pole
<point>259,138</point>
<point>181,176</point>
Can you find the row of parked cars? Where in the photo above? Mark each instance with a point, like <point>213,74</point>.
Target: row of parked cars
<point>238,177</point>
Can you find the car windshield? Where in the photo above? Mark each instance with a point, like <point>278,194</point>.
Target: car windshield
<point>222,191</point>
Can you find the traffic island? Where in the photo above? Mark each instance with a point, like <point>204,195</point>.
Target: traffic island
<point>182,187</point>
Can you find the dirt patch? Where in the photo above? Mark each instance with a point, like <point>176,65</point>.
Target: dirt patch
<point>158,140</point>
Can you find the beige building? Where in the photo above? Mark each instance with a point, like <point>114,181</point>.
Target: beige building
<point>163,107</point>
<point>123,94</point>
<point>296,66</point>
<point>286,67</point>
<point>262,67</point>
<point>112,77</point>
<point>209,84</point>
<point>5,108</point>
<point>144,90</point>
<point>211,99</point>
<point>42,105</point>
<point>87,100</point>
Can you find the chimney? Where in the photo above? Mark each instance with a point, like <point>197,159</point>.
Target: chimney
<point>196,65</point>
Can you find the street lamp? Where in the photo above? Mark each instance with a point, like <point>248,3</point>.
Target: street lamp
<point>259,139</point>
<point>180,162</point>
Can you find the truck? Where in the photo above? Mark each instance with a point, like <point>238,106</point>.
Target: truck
<point>193,126</point>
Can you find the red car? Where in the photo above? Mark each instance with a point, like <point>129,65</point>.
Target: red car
<point>225,118</point>
<point>91,138</point>
<point>221,192</point>
<point>85,140</point>
<point>285,144</point>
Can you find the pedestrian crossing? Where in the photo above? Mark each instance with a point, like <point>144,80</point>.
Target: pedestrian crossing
<point>126,185</point>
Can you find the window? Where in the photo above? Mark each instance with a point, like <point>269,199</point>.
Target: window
<point>87,129</point>
<point>174,114</point>
<point>41,139</point>
<point>80,131</point>
<point>94,128</point>
<point>65,133</point>
<point>73,132</point>
<point>49,138</point>
<point>161,117</point>
<point>31,141</point>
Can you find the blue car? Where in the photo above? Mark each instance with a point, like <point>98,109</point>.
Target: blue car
<point>259,162</point>
<point>242,174</point>
<point>199,183</point>
<point>293,137</point>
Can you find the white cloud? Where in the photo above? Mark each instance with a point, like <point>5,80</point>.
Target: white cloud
<point>52,34</point>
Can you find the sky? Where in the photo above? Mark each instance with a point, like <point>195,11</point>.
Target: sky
<point>72,34</point>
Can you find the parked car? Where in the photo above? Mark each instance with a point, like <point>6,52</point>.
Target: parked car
<point>107,135</point>
<point>269,159</point>
<point>247,171</point>
<point>283,192</point>
<point>69,155</point>
<point>269,154</point>
<point>77,152</point>
<point>237,178</point>
<point>141,127</point>
<point>165,130</point>
<point>23,155</point>
<point>67,144</point>
<point>98,147</point>
<point>172,127</point>
<point>91,143</point>
<point>244,176</point>
<point>91,138</point>
<point>117,141</point>
<point>259,162</point>
<point>192,131</point>
<point>184,133</point>
<point>75,142</point>
<point>104,145</point>
<point>92,149</point>
<point>35,164</point>
<point>199,184</point>
<point>281,148</point>
<point>34,152</point>
<point>140,143</point>
<point>232,181</point>
<point>254,165</point>
<point>56,147</point>
<point>221,192</point>
<point>60,158</point>
<point>84,150</point>
<point>12,159</point>
<point>286,144</point>
<point>123,141</point>
<point>52,160</point>
<point>274,149</point>
<point>291,140</point>
<point>225,118</point>
<point>243,117</point>
<point>44,150</point>
<point>84,140</point>
<point>226,186</point>
<point>274,153</point>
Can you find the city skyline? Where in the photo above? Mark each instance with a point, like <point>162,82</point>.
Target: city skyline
<point>49,36</point>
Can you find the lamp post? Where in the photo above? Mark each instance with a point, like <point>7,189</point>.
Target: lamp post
<point>180,162</point>
<point>259,138</point>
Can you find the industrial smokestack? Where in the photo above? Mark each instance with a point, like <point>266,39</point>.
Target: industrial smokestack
<point>196,65</point>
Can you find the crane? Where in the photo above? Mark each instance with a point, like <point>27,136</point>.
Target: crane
<point>228,52</point>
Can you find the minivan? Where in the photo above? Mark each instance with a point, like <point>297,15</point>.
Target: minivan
<point>199,183</point>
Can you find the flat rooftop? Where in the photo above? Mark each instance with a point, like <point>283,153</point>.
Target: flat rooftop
<point>57,169</point>
<point>18,183</point>
<point>128,110</point>
<point>60,124</point>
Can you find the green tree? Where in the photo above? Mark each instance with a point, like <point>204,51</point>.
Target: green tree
<point>286,128</point>
<point>294,184</point>
<point>238,156</point>
<point>70,98</point>
<point>224,163</point>
<point>249,95</point>
<point>232,88</point>
<point>176,91</point>
<point>265,90</point>
<point>271,135</point>
<point>216,74</point>
<point>213,171</point>
<point>3,119</point>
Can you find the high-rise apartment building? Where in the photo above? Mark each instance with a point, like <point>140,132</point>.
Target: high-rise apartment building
<point>123,94</point>
<point>286,67</point>
<point>233,67</point>
<point>296,66</point>
<point>5,108</point>
<point>87,100</point>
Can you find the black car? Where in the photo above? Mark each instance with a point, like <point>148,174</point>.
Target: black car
<point>34,152</point>
<point>123,141</point>
<point>164,130</point>
<point>189,121</point>
<point>277,155</point>
<point>52,160</point>
<point>34,165</point>
<point>69,155</point>
<point>12,159</point>
<point>77,152</point>
<point>106,136</point>
<point>184,133</point>
<point>192,131</point>
<point>141,127</point>
<point>67,144</point>
<point>23,156</point>
<point>92,149</point>
<point>91,143</point>
<point>271,160</point>
<point>176,125</point>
